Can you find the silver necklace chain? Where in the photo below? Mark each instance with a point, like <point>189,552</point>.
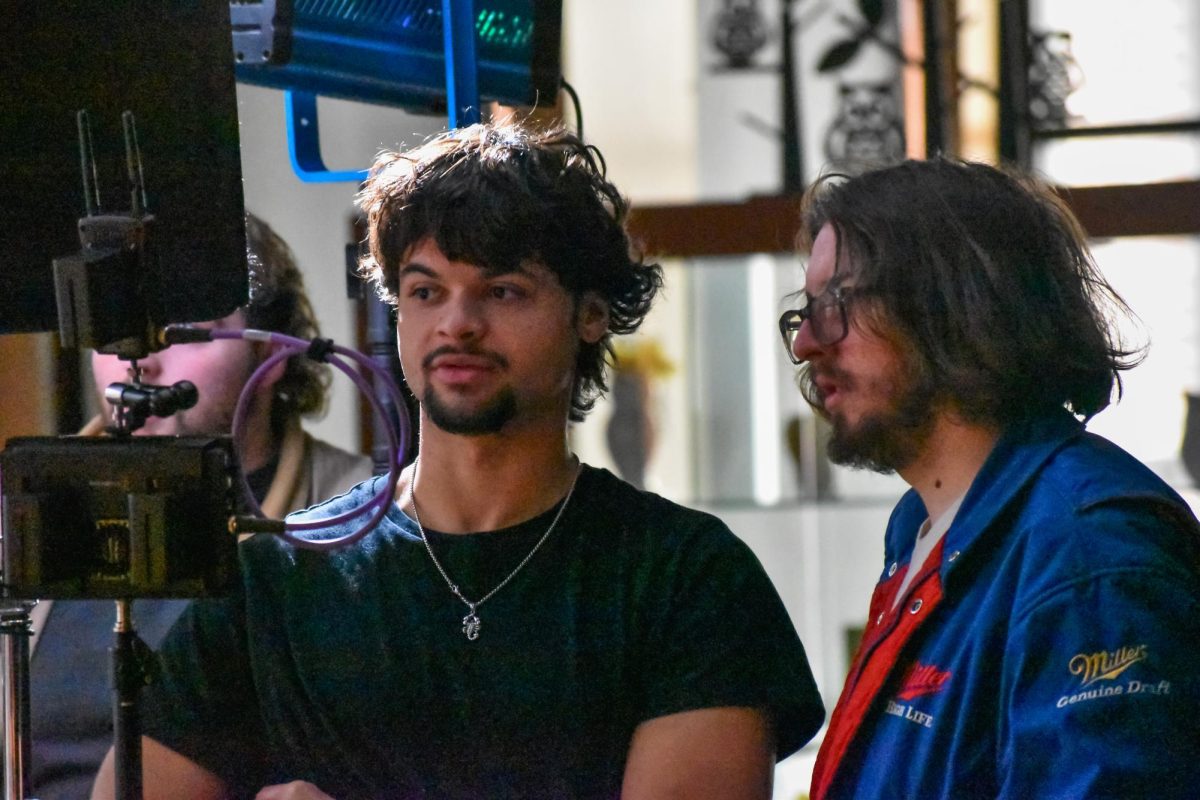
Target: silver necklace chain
<point>471,625</point>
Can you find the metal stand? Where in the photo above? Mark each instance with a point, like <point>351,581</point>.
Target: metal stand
<point>15,630</point>
<point>129,675</point>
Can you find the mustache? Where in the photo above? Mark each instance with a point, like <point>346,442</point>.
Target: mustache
<point>833,373</point>
<point>806,380</point>
<point>474,352</point>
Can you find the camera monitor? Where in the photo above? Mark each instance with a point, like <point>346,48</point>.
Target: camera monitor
<point>170,66</point>
<point>96,517</point>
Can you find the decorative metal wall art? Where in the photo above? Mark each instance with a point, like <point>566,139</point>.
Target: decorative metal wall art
<point>1053,75</point>
<point>739,32</point>
<point>868,130</point>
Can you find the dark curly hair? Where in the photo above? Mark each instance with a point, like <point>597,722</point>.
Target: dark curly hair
<point>986,277</point>
<point>279,303</point>
<point>498,195</point>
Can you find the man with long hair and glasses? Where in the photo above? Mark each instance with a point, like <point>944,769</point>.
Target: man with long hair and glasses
<point>1034,629</point>
<point>519,625</point>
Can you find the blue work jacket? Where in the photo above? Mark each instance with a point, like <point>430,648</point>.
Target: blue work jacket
<point>1049,649</point>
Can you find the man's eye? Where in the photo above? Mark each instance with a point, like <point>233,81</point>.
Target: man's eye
<point>421,292</point>
<point>502,292</point>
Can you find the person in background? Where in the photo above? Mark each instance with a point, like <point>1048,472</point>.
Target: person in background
<point>71,701</point>
<point>519,624</point>
<point>1034,629</point>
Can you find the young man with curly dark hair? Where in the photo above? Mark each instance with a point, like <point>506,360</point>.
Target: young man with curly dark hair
<point>1034,629</point>
<point>520,625</point>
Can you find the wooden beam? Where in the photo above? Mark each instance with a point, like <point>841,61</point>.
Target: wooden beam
<point>770,224</point>
<point>757,225</point>
<point>1153,209</point>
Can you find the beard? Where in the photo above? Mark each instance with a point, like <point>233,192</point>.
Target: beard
<point>489,418</point>
<point>214,420</point>
<point>486,419</point>
<point>891,438</point>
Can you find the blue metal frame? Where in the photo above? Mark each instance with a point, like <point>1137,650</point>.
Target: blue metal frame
<point>304,141</point>
<point>462,94</point>
<point>462,86</point>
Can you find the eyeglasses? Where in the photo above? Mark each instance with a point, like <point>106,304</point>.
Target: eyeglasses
<point>826,314</point>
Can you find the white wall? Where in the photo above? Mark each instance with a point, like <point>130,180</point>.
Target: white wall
<point>633,64</point>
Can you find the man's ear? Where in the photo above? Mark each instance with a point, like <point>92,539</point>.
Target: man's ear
<point>591,319</point>
<point>267,384</point>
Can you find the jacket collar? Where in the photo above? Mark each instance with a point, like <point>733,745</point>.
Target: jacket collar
<point>1019,455</point>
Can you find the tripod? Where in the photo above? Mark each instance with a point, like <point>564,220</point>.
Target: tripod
<point>15,631</point>
<point>130,661</point>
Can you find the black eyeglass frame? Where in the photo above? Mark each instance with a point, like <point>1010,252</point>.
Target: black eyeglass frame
<point>791,320</point>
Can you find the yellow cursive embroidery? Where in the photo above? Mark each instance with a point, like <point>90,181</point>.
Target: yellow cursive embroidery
<point>1105,665</point>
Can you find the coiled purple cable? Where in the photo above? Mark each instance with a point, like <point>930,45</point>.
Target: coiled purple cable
<point>398,441</point>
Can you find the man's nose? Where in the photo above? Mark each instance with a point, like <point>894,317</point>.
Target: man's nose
<point>805,345</point>
<point>463,318</point>
<point>150,366</point>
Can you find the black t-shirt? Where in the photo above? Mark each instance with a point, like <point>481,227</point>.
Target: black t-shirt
<point>350,670</point>
<point>260,480</point>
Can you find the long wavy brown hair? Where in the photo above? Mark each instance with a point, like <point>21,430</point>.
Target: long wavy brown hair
<point>278,302</point>
<point>987,276</point>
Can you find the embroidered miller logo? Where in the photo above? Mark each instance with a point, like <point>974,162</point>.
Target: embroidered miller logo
<point>923,679</point>
<point>1105,665</point>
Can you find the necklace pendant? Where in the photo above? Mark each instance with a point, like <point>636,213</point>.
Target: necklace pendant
<point>471,625</point>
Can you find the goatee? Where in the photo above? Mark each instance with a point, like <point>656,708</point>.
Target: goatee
<point>487,419</point>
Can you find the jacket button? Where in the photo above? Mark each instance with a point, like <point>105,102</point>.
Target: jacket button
<point>953,555</point>
<point>916,606</point>
<point>892,569</point>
